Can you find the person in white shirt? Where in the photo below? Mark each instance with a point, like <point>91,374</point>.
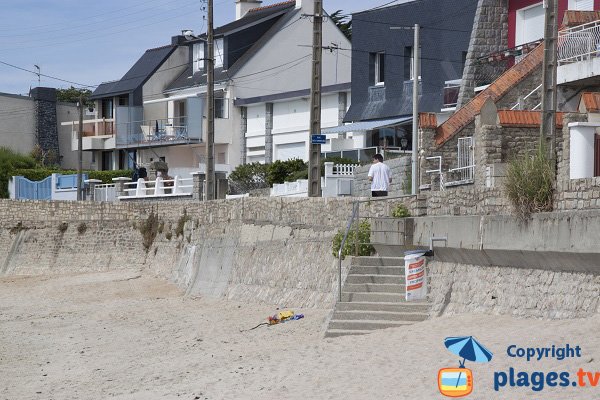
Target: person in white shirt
<point>380,177</point>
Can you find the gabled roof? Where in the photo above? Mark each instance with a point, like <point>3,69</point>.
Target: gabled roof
<point>141,71</point>
<point>253,17</point>
<point>590,102</point>
<point>495,91</point>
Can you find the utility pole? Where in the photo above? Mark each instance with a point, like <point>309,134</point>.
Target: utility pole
<point>549,95</point>
<point>415,102</point>
<point>314,156</point>
<point>210,99</point>
<point>80,150</point>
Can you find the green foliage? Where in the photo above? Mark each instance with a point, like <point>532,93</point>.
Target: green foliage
<point>38,174</point>
<point>44,158</point>
<point>529,182</point>
<point>181,223</point>
<point>62,228</point>
<point>364,239</point>
<point>9,162</point>
<point>400,211</point>
<point>149,229</point>
<point>343,21</point>
<point>280,170</point>
<point>297,175</point>
<point>248,177</point>
<point>71,95</point>
<point>81,228</point>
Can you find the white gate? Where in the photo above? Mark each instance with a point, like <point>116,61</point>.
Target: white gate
<point>466,158</point>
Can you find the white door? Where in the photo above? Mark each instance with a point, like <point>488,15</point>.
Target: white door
<point>581,5</point>
<point>290,150</point>
<point>530,24</point>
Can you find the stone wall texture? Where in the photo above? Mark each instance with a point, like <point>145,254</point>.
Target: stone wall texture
<point>400,168</point>
<point>457,288</point>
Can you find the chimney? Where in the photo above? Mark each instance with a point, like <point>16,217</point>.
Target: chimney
<point>243,6</point>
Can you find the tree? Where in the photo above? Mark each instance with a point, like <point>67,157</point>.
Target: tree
<point>71,95</point>
<point>343,22</point>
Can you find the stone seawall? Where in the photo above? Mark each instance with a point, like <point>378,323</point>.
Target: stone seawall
<point>272,250</point>
<point>460,288</point>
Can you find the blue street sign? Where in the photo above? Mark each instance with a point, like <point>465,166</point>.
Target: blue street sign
<point>318,139</point>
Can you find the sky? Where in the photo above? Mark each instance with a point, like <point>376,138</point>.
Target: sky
<point>89,42</point>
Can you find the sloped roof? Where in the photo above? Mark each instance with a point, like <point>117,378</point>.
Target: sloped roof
<point>137,75</point>
<point>256,15</point>
<point>576,18</point>
<point>591,102</point>
<point>496,90</point>
<point>525,118</point>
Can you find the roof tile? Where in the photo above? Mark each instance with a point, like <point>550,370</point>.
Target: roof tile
<point>575,18</point>
<point>427,120</point>
<point>591,101</point>
<point>524,118</point>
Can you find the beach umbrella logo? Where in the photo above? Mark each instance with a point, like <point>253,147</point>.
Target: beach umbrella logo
<point>458,382</point>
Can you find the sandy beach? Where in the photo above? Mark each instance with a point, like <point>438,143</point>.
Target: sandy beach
<point>126,335</point>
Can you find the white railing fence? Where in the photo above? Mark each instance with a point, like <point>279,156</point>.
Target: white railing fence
<point>159,188</point>
<point>579,43</point>
<point>465,172</point>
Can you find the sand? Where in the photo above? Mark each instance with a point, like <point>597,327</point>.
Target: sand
<point>125,335</point>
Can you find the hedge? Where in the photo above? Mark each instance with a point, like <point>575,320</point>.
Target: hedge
<point>38,174</point>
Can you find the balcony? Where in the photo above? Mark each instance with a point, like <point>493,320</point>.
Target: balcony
<point>157,133</point>
<point>98,134</point>
<point>491,66</point>
<point>579,55</point>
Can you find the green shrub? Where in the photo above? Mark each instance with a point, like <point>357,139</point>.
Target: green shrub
<point>279,171</point>
<point>248,177</point>
<point>181,223</point>
<point>400,211</point>
<point>149,229</point>
<point>529,182</point>
<point>81,228</point>
<point>9,162</point>
<point>364,239</point>
<point>297,175</point>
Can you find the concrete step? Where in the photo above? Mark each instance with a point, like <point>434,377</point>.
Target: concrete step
<point>332,333</point>
<point>375,288</point>
<point>371,297</point>
<point>370,278</point>
<point>379,316</point>
<point>378,261</point>
<point>371,270</point>
<point>401,306</point>
<point>364,325</point>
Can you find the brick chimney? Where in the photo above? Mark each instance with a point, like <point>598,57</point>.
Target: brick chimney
<point>243,6</point>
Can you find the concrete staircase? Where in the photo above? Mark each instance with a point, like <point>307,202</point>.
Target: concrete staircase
<point>373,298</point>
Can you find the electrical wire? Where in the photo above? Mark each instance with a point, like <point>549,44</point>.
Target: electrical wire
<point>47,76</point>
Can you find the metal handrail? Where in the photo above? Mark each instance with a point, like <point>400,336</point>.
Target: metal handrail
<point>348,227</point>
<point>356,216</point>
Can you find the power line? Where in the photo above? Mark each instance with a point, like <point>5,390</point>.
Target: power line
<point>47,76</point>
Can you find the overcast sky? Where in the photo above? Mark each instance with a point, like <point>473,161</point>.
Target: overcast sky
<point>90,42</point>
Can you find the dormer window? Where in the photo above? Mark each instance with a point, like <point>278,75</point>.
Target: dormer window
<point>198,57</point>
<point>219,43</point>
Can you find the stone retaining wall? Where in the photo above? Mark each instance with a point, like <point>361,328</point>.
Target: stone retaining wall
<point>399,168</point>
<point>458,288</point>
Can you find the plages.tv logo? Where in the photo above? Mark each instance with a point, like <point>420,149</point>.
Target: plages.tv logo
<point>458,382</point>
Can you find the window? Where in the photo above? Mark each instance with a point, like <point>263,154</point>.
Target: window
<point>107,108</point>
<point>198,57</point>
<point>221,108</point>
<point>219,52</point>
<point>581,5</point>
<point>124,100</point>
<point>379,68</point>
<point>529,24</point>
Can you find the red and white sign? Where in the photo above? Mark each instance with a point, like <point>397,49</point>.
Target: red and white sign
<point>416,276</point>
